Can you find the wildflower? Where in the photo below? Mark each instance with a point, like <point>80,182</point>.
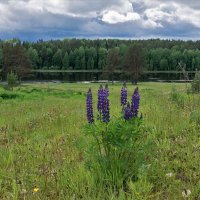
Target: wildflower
<point>100,103</point>
<point>35,189</point>
<point>105,105</point>
<point>128,112</point>
<point>123,96</point>
<point>186,193</point>
<point>135,102</point>
<point>23,191</point>
<point>89,106</point>
<point>169,175</point>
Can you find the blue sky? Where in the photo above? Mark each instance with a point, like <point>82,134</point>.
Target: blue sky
<point>129,19</point>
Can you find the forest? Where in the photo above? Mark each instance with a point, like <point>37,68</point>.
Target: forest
<point>101,54</point>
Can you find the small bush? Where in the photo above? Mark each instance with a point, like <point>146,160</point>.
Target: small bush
<point>12,80</point>
<point>9,95</point>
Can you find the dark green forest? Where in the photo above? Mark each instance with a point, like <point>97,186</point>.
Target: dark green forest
<point>103,54</point>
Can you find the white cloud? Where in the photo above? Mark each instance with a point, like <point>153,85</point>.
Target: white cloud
<point>189,15</point>
<point>161,13</point>
<point>172,12</point>
<point>113,17</point>
<point>123,6</point>
<point>151,24</point>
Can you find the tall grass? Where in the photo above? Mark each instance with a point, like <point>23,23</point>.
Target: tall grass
<point>43,147</point>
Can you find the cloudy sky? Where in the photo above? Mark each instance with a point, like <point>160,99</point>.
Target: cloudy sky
<point>52,19</point>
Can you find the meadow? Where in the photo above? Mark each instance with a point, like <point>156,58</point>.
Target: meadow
<point>42,144</point>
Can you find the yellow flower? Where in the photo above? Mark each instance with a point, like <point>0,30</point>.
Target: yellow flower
<point>35,189</point>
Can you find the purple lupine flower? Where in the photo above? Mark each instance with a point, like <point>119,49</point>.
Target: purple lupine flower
<point>90,116</point>
<point>105,105</point>
<point>99,104</point>
<point>123,96</point>
<point>128,112</point>
<point>135,102</point>
<point>106,111</point>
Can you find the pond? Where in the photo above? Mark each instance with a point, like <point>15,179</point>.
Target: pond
<point>78,76</point>
<point>96,76</point>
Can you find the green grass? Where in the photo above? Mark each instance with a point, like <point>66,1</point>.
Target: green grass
<point>41,127</point>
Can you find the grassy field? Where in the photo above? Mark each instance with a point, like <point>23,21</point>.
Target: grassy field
<point>41,126</point>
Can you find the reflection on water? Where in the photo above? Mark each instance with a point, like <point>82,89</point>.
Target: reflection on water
<point>96,76</point>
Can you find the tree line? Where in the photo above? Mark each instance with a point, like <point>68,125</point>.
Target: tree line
<point>101,54</point>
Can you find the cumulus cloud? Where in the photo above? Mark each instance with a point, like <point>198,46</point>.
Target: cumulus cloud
<point>161,14</point>
<point>114,17</point>
<point>189,15</point>
<point>99,18</point>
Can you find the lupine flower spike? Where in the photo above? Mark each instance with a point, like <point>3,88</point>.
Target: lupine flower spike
<point>135,102</point>
<point>128,112</point>
<point>123,96</point>
<point>105,105</point>
<point>90,116</point>
<point>100,103</point>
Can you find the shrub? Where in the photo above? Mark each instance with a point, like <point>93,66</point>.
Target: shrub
<point>8,95</point>
<point>11,80</point>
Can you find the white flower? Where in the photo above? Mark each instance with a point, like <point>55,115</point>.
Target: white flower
<point>169,174</point>
<point>186,193</point>
<point>23,191</point>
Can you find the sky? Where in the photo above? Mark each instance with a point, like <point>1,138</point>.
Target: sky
<point>31,20</point>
